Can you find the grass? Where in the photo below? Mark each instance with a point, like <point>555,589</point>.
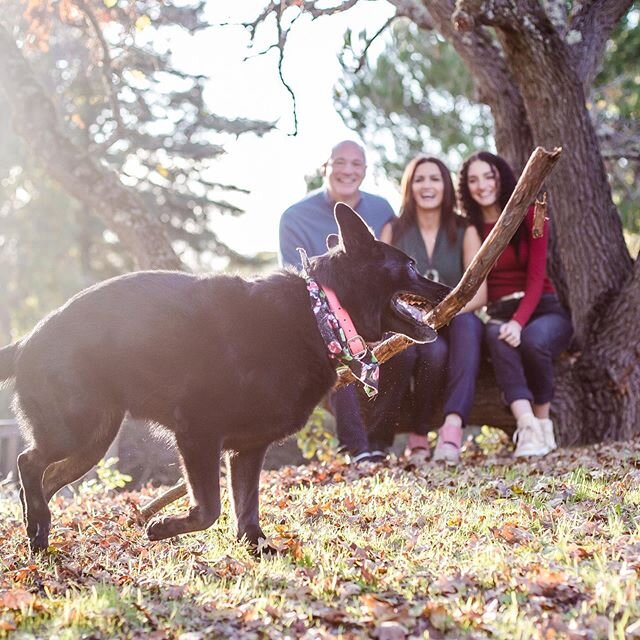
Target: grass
<point>492,549</point>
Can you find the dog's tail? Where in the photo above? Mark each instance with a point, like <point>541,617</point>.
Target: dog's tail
<point>8,357</point>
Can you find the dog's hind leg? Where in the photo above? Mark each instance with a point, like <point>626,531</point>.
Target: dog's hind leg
<point>74,466</point>
<point>58,422</point>
<point>201,466</point>
<point>244,471</point>
<point>31,465</point>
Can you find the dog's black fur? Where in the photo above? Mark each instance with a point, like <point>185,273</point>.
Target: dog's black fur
<point>223,363</point>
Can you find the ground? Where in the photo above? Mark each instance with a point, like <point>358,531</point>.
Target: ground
<point>493,549</point>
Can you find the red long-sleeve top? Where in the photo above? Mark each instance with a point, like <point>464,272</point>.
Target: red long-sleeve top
<point>523,271</point>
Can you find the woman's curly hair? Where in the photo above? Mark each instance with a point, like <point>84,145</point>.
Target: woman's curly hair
<point>506,181</point>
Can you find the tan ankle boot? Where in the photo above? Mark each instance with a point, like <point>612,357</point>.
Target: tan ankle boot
<point>547,432</point>
<point>529,437</point>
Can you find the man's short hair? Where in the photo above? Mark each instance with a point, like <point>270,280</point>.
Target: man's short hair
<point>339,144</point>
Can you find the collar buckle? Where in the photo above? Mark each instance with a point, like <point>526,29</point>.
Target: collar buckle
<point>357,347</point>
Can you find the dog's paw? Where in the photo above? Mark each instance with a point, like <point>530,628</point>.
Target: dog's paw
<point>38,538</point>
<point>265,549</point>
<point>159,529</point>
<point>258,542</point>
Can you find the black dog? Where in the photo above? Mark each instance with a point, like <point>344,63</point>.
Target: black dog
<point>223,363</point>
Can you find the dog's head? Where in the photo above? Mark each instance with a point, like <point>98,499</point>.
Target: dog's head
<point>376,283</point>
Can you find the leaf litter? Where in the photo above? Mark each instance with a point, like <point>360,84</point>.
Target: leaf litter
<point>494,548</point>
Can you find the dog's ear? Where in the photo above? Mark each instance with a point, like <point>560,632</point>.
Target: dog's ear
<point>333,240</point>
<point>354,232</point>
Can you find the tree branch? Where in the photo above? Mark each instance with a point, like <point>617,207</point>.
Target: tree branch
<point>594,21</point>
<point>278,9</point>
<point>540,164</point>
<point>469,14</point>
<point>586,33</point>
<point>107,70</point>
<point>171,495</point>
<point>557,11</point>
<point>370,41</point>
<point>316,12</point>
<point>542,65</point>
<point>492,79</point>
<point>416,12</point>
<point>282,40</point>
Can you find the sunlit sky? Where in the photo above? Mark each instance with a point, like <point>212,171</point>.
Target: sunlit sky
<point>273,167</point>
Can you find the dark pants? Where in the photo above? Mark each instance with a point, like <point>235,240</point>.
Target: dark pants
<point>350,428</point>
<point>526,372</point>
<point>449,364</point>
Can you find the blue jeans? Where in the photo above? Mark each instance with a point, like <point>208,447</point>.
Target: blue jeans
<point>526,372</point>
<point>449,364</point>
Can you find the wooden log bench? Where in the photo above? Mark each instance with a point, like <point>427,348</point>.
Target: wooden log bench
<point>488,407</point>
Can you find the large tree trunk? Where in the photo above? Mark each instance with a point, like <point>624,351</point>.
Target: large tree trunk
<point>121,209</point>
<point>598,392</point>
<point>492,79</point>
<point>598,398</point>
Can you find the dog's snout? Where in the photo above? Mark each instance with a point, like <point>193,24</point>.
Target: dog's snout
<point>438,292</point>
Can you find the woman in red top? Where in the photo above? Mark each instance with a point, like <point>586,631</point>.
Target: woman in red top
<point>528,326</point>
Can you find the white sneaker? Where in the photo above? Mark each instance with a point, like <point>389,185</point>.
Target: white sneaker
<point>529,437</point>
<point>547,432</point>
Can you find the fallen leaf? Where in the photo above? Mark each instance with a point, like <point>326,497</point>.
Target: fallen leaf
<point>633,630</point>
<point>391,630</point>
<point>511,533</point>
<point>16,599</point>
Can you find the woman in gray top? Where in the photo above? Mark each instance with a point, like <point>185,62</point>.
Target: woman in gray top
<point>443,244</point>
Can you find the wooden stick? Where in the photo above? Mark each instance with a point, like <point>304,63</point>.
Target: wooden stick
<point>169,496</point>
<point>538,167</point>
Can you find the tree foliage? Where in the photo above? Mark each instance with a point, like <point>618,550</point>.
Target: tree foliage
<point>49,247</point>
<point>415,96</point>
<point>128,104</point>
<point>122,103</point>
<point>615,106</point>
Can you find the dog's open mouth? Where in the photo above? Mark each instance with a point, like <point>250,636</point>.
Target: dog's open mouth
<point>410,307</point>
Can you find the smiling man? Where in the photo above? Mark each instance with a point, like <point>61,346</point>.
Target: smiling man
<point>307,224</point>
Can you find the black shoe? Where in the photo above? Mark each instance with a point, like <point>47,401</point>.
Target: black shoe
<point>361,456</point>
<point>378,455</point>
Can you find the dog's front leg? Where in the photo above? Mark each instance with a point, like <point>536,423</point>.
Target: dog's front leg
<point>201,465</point>
<point>244,473</point>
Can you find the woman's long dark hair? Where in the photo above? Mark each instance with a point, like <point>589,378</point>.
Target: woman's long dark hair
<point>408,209</point>
<point>506,180</point>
